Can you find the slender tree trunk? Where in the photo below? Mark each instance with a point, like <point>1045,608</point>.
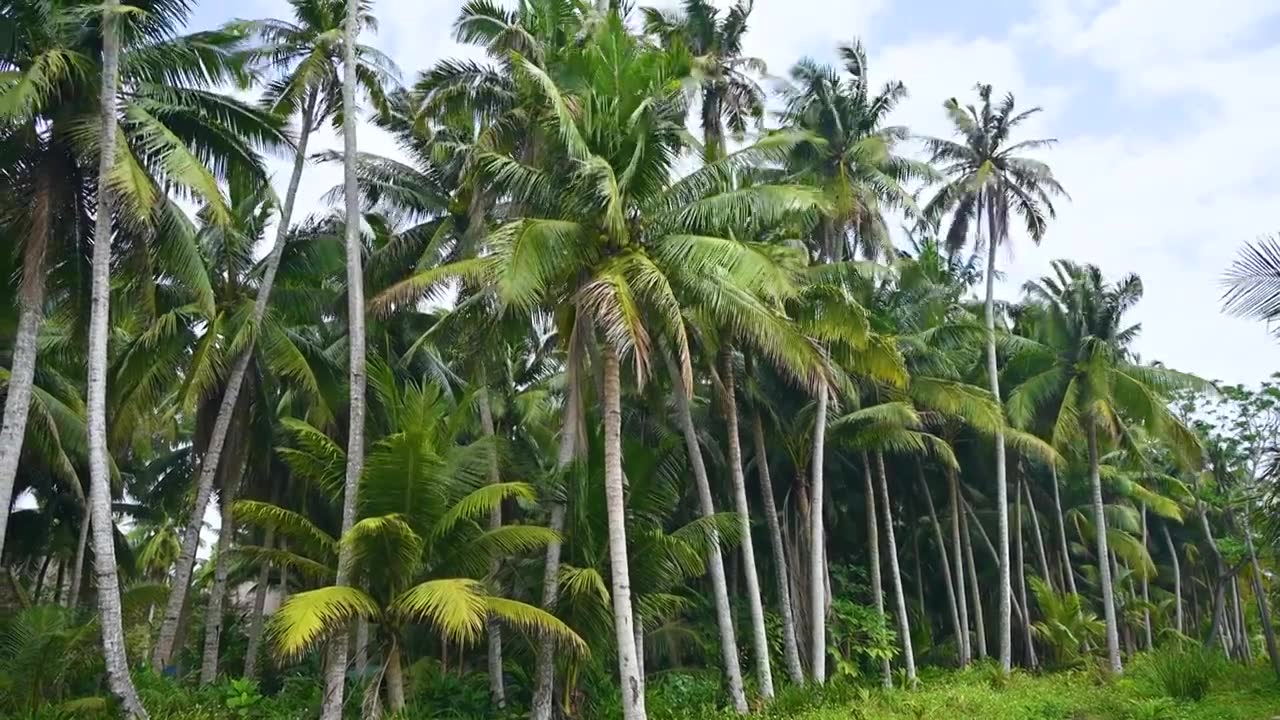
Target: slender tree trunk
<point>77,566</point>
<point>759,635</point>
<point>395,679</point>
<point>360,647</point>
<point>1041,554</point>
<point>715,561</point>
<point>873,550</point>
<point>58,580</point>
<point>980,629</point>
<point>1014,606</point>
<point>620,577</point>
<point>957,568</point>
<point>1177,578</point>
<point>213,612</point>
<point>1260,595</point>
<point>952,605</point>
<point>1217,572</point>
<point>1242,626</point>
<point>335,672</point>
<point>103,529</point>
<point>895,573</point>
<point>1104,567</point>
<point>22,372</point>
<point>497,689</point>
<point>790,648</point>
<point>1002,491</point>
<point>817,545</point>
<point>544,682</point>
<point>256,621</point>
<point>1148,640</point>
<point>1062,534</point>
<point>162,653</point>
<point>1020,563</point>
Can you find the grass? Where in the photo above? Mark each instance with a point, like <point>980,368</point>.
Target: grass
<point>1235,694</point>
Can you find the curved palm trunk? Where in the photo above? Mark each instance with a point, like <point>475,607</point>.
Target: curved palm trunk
<point>759,636</point>
<point>1002,489</point>
<point>957,560</point>
<point>544,681</point>
<point>217,594</point>
<point>77,568</point>
<point>102,527</point>
<point>715,560</point>
<point>1037,536</point>
<point>900,599</point>
<point>256,621</point>
<point>1062,534</point>
<point>162,653</point>
<point>1260,595</point>
<point>1177,577</point>
<point>1241,626</point>
<point>497,689</point>
<point>395,679</point>
<point>790,648</point>
<point>623,617</point>
<point>1148,642</point>
<point>873,550</point>
<point>952,605</point>
<point>335,672</point>
<point>817,546</point>
<point>1022,579</point>
<point>22,372</point>
<point>1104,567</point>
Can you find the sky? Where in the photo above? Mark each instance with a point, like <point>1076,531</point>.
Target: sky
<point>1167,144</point>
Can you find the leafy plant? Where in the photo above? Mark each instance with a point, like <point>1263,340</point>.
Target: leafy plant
<point>1187,674</point>
<point>242,696</point>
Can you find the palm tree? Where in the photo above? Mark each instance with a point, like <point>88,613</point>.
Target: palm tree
<point>987,181</point>
<point>104,550</point>
<point>309,54</point>
<point>730,95</point>
<point>1084,377</point>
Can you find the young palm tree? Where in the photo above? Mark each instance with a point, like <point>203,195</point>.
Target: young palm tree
<point>1084,377</point>
<point>104,565</point>
<point>987,181</point>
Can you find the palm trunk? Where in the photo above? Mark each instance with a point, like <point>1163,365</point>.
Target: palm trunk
<point>256,621</point>
<point>1022,578</point>
<point>790,648</point>
<point>1217,573</point>
<point>1260,595</point>
<point>873,550</point>
<point>497,689</point>
<point>620,578</point>
<point>544,682</point>
<point>1002,490</point>
<point>77,567</point>
<point>817,544</point>
<point>957,560</point>
<point>952,605</point>
<point>1177,578</point>
<point>1014,607</point>
<point>22,372</point>
<point>103,529</point>
<point>162,653</point>
<point>395,679</point>
<point>1036,535</point>
<point>217,593</point>
<point>759,635</point>
<point>715,560</point>
<point>1242,626</point>
<point>335,672</point>
<point>980,628</point>
<point>1062,534</point>
<point>904,625</point>
<point>1149,642</point>
<point>1104,567</point>
<point>360,647</point>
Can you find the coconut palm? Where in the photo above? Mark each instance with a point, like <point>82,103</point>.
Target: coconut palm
<point>988,181</point>
<point>1082,374</point>
<point>308,54</point>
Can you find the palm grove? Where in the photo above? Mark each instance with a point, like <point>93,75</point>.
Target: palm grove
<point>629,361</point>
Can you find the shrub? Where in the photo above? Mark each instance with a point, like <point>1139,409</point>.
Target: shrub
<point>1187,674</point>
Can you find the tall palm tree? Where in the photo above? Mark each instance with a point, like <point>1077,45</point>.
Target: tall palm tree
<point>104,565</point>
<point>988,181</point>
<point>1084,377</point>
<point>309,55</point>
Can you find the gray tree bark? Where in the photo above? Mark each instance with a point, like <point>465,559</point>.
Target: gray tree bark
<point>335,671</point>
<point>256,621</point>
<point>217,593</point>
<point>1062,534</point>
<point>1177,578</point>
<point>162,652</point>
<point>759,635</point>
<point>980,628</point>
<point>895,574</point>
<point>620,577</point>
<point>1104,567</point>
<point>1005,639</point>
<point>1260,594</point>
<point>1149,642</point>
<point>952,604</point>
<point>790,647</point>
<point>77,567</point>
<point>715,560</point>
<point>103,529</point>
<point>817,545</point>
<point>873,548</point>
<point>1036,535</point>
<point>1022,579</point>
<point>497,688</point>
<point>395,679</point>
<point>957,560</point>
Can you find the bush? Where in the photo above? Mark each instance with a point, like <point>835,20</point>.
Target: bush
<point>1188,673</point>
